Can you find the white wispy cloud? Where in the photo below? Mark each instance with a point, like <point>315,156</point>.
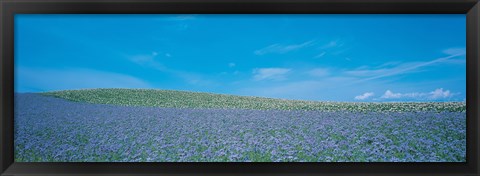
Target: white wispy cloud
<point>43,79</point>
<point>461,61</point>
<point>359,72</point>
<point>319,72</point>
<point>334,48</point>
<point>281,49</point>
<point>455,51</point>
<point>433,95</point>
<point>320,55</point>
<point>151,61</point>
<point>270,73</point>
<point>231,64</point>
<point>364,96</point>
<point>148,61</point>
<point>313,89</point>
<point>332,44</point>
<point>399,69</point>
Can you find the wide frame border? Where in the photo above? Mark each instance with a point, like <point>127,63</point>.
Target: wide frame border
<point>8,8</point>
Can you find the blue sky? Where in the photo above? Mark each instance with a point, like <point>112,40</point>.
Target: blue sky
<point>309,57</point>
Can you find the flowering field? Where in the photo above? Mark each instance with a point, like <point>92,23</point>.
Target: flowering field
<point>125,125</point>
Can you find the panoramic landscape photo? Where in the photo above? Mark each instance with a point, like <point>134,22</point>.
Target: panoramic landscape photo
<point>240,88</point>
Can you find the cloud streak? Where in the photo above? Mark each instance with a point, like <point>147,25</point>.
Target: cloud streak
<point>282,49</point>
<point>400,69</point>
<point>320,55</point>
<point>455,51</point>
<point>319,72</point>
<point>270,74</point>
<point>40,79</point>
<point>149,61</point>
<point>332,44</point>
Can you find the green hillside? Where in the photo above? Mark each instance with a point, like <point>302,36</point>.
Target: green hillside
<point>184,99</point>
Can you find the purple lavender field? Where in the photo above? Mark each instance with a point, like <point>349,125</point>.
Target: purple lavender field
<point>72,129</point>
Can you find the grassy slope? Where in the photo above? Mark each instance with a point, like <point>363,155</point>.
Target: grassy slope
<point>183,99</point>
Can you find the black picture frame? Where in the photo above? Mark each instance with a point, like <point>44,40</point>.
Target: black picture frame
<point>9,8</point>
